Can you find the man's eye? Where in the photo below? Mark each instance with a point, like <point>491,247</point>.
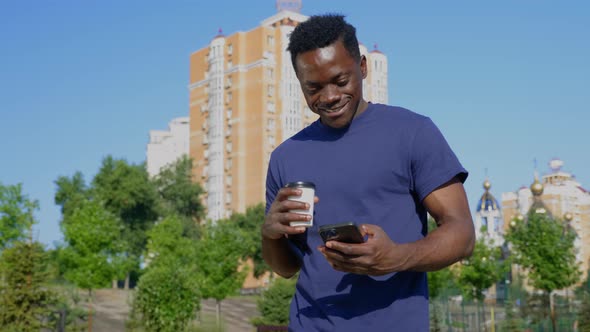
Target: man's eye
<point>342,83</point>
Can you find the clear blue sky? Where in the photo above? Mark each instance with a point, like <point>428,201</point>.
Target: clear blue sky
<point>506,81</point>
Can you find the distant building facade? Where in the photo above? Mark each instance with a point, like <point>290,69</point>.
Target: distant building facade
<point>560,196</point>
<point>245,100</point>
<point>166,146</point>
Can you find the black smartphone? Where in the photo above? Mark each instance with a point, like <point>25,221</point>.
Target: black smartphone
<point>345,232</point>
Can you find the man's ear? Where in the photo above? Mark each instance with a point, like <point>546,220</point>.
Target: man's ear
<point>363,66</point>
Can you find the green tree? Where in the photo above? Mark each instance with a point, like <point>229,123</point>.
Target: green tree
<point>16,214</point>
<point>218,259</point>
<point>168,296</point>
<point>584,313</point>
<point>249,223</point>
<point>26,303</point>
<point>583,296</point>
<point>180,193</point>
<point>274,303</point>
<point>127,192</point>
<point>480,271</point>
<point>545,248</point>
<point>513,322</point>
<point>71,192</point>
<point>92,236</point>
<point>440,284</point>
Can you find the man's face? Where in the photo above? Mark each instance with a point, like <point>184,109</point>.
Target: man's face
<point>332,83</point>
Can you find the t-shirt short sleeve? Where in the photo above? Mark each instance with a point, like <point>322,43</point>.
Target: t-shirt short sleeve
<point>433,163</point>
<point>272,182</point>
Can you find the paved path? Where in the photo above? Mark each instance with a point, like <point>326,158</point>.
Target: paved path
<point>112,309</point>
<point>236,313</point>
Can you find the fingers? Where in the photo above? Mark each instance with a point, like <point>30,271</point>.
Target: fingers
<point>345,263</point>
<point>282,212</point>
<point>283,204</point>
<point>370,230</point>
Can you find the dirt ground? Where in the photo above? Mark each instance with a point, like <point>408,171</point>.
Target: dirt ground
<point>112,309</point>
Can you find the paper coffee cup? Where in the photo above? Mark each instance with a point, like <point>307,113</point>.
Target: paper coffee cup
<point>307,196</point>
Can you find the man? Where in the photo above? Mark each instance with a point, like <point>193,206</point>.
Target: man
<point>379,166</point>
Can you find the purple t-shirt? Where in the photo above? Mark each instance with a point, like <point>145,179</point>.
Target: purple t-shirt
<point>376,171</point>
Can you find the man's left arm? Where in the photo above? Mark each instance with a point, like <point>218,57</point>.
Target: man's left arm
<point>451,241</point>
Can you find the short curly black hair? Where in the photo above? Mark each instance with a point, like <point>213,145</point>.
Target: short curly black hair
<point>320,31</point>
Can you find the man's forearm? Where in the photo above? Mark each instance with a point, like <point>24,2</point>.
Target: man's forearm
<point>444,246</point>
<point>279,257</point>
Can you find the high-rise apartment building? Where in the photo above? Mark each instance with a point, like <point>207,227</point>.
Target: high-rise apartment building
<point>166,146</point>
<point>559,195</point>
<point>245,100</point>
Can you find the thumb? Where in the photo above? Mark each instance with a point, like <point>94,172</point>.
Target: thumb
<point>370,230</point>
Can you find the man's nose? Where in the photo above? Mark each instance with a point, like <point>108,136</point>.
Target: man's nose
<point>330,95</point>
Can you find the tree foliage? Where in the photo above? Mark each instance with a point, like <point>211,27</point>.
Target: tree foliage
<point>168,294</point>
<point>92,237</point>
<point>127,192</point>
<point>71,192</point>
<point>274,303</point>
<point>584,313</point>
<point>25,301</point>
<point>545,247</point>
<point>219,253</point>
<point>180,194</point>
<point>167,297</point>
<point>249,223</point>
<point>16,214</point>
<point>218,258</point>
<point>482,270</point>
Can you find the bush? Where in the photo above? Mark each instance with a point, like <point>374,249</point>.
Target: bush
<point>26,303</point>
<point>274,303</point>
<point>167,299</point>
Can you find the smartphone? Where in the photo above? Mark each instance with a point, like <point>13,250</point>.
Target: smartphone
<point>345,232</point>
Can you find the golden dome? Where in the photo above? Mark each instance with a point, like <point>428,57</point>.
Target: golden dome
<point>568,217</point>
<point>537,188</point>
<point>487,185</point>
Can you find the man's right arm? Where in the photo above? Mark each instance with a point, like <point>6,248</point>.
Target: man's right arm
<point>275,248</point>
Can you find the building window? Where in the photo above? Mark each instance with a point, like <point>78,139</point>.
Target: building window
<point>230,49</point>
<point>270,106</point>
<point>229,81</point>
<point>270,124</point>
<point>270,73</point>
<point>271,90</point>
<point>229,97</point>
<point>271,140</point>
<point>229,64</point>
<point>270,40</point>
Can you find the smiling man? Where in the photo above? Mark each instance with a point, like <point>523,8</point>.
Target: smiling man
<point>379,166</point>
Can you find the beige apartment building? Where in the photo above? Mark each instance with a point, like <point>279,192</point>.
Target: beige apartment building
<point>244,101</point>
<point>558,194</point>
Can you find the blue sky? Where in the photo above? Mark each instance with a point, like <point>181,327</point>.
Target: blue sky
<point>506,81</point>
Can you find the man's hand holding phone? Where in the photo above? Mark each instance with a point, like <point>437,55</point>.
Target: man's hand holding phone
<point>378,255</point>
